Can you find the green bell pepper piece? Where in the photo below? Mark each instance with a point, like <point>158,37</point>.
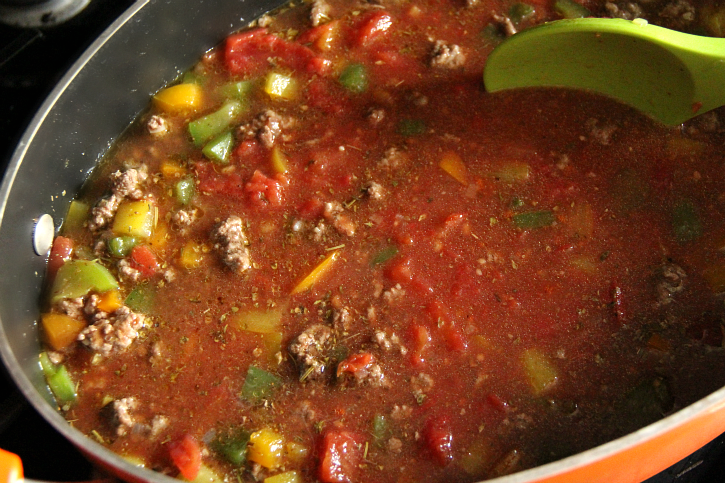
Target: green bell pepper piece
<point>354,78</point>
<point>534,219</point>
<point>239,90</point>
<point>220,148</point>
<point>121,246</point>
<point>184,190</point>
<point>58,379</point>
<point>208,127</point>
<point>141,298</point>
<point>571,9</point>
<point>77,278</point>
<point>259,384</point>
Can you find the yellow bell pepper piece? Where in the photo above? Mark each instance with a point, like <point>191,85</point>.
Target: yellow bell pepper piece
<point>317,273</point>
<point>61,330</point>
<point>134,218</point>
<point>297,452</point>
<point>192,254</point>
<point>172,169</point>
<point>110,301</point>
<point>260,321</point>
<point>513,171</point>
<point>287,477</point>
<point>160,237</point>
<point>280,86</point>
<point>452,164</point>
<point>541,372</point>
<point>179,98</point>
<point>265,448</point>
<point>279,161</point>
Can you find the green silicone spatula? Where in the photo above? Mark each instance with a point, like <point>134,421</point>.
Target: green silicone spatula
<point>669,75</point>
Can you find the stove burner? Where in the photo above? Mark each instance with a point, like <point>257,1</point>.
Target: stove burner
<point>39,13</point>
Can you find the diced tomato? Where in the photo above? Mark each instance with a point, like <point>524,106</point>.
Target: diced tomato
<point>340,456</point>
<point>421,342</point>
<point>311,209</point>
<point>392,67</point>
<point>404,272</point>
<point>212,182</point>
<point>322,37</point>
<point>372,27</point>
<point>327,96</point>
<point>250,152</point>
<point>446,326</point>
<point>144,260</point>
<point>496,402</point>
<point>60,252</point>
<point>186,456</point>
<point>247,53</point>
<point>438,439</point>
<point>262,190</point>
<point>354,363</point>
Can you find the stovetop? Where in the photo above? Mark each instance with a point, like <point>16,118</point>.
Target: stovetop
<point>32,60</point>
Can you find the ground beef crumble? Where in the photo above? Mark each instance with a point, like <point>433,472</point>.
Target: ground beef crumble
<point>126,184</point>
<point>231,243</point>
<point>109,333</point>
<point>308,349</point>
<point>447,56</point>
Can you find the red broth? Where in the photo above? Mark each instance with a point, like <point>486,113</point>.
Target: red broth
<point>330,255</point>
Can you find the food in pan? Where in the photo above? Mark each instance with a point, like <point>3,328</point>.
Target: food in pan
<point>327,254</point>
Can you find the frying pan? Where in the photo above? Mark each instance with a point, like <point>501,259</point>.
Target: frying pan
<point>148,46</point>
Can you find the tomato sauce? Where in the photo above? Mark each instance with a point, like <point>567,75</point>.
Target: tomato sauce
<point>332,256</point>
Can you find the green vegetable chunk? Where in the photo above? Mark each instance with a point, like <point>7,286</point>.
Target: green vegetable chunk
<point>233,447</point>
<point>141,298</point>
<point>571,9</point>
<point>212,125</point>
<point>259,384</point>
<point>534,219</point>
<point>220,148</point>
<point>76,216</point>
<point>686,222</point>
<point>411,127</point>
<point>381,429</point>
<point>384,255</point>
<point>121,246</point>
<point>354,78</point>
<point>58,379</point>
<point>184,190</point>
<point>77,278</point>
<point>520,12</point>
<point>237,90</point>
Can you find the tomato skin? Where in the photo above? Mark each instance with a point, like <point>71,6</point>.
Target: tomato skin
<point>144,260</point>
<point>439,440</point>
<point>354,363</point>
<point>340,456</point>
<point>186,456</point>
<point>61,251</point>
<point>262,190</point>
<point>372,27</point>
<point>247,54</point>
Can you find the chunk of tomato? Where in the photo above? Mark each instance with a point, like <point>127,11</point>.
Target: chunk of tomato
<point>438,439</point>
<point>246,54</point>
<point>340,456</point>
<point>144,260</point>
<point>60,252</point>
<point>185,453</point>
<point>372,27</point>
<point>355,363</point>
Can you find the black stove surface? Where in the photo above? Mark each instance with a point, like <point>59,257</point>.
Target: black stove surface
<point>32,60</point>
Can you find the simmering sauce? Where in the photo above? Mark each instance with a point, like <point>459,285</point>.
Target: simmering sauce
<point>327,254</point>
